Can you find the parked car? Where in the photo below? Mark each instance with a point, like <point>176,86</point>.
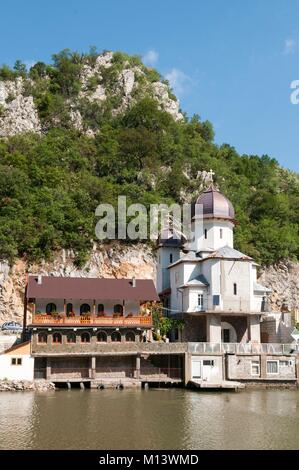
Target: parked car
<point>11,326</point>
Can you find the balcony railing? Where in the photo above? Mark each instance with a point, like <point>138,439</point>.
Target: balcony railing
<point>243,348</point>
<point>40,319</point>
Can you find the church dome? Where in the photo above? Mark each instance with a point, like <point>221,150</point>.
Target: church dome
<point>215,205</point>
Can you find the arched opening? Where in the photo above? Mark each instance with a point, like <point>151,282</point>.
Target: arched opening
<point>71,338</point>
<point>84,309</point>
<point>102,337</point>
<point>69,310</point>
<point>101,310</point>
<point>130,337</point>
<point>85,338</point>
<point>118,309</point>
<point>51,308</point>
<point>116,337</point>
<point>57,338</point>
<point>228,333</point>
<point>42,338</point>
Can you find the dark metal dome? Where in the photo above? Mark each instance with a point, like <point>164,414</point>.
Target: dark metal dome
<point>215,204</point>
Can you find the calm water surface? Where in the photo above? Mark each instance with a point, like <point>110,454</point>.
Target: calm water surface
<point>149,419</point>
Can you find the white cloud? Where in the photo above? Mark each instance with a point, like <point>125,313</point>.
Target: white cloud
<point>150,58</point>
<point>290,46</point>
<point>178,80</point>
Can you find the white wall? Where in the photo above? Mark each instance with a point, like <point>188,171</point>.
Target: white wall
<point>213,240</point>
<point>15,372</point>
<point>163,261</point>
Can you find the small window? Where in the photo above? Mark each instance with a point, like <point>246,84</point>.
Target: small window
<point>130,337</point>
<point>51,308</point>
<point>16,361</point>
<point>69,309</point>
<point>221,233</point>
<point>84,309</point>
<point>118,308</point>
<point>116,337</point>
<point>57,338</point>
<point>200,300</point>
<point>170,258</point>
<point>235,289</point>
<point>285,363</point>
<point>85,338</point>
<point>206,233</point>
<point>71,338</point>
<point>272,367</point>
<point>42,338</point>
<point>101,310</point>
<point>102,337</point>
<point>208,363</point>
<point>255,367</point>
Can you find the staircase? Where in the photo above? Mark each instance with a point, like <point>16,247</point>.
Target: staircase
<point>151,372</point>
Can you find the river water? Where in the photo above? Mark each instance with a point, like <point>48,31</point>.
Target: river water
<point>149,419</point>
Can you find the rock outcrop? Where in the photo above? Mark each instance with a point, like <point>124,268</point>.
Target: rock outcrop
<point>19,114</point>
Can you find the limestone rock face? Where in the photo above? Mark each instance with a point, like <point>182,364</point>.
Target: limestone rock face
<point>18,114</point>
<point>169,105</point>
<point>283,279</point>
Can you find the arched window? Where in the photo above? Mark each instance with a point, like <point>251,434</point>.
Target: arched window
<point>85,338</point>
<point>130,337</point>
<point>102,337</point>
<point>71,338</point>
<point>57,338</point>
<point>69,309</point>
<point>100,310</point>
<point>84,309</point>
<point>42,338</point>
<point>116,336</point>
<point>51,308</point>
<point>118,309</point>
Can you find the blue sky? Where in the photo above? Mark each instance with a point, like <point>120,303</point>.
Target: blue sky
<point>230,61</point>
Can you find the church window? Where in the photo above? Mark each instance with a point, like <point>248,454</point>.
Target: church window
<point>235,289</point>
<point>200,300</point>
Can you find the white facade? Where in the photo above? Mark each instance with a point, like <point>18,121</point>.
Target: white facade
<point>207,275</point>
<point>17,363</point>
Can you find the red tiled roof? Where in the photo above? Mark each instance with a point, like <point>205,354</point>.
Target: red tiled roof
<point>90,288</point>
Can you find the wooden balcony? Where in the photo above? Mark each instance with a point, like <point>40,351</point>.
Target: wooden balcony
<point>120,321</point>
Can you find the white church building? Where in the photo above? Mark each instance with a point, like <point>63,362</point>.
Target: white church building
<point>208,283</point>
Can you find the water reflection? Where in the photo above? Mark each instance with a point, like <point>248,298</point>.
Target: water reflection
<point>154,419</point>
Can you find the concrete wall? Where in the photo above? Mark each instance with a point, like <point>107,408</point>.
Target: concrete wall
<point>16,372</point>
<point>240,367</point>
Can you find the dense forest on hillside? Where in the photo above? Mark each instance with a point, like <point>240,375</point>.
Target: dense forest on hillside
<point>51,183</point>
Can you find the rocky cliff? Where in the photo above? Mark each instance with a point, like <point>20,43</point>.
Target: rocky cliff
<point>109,82</point>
